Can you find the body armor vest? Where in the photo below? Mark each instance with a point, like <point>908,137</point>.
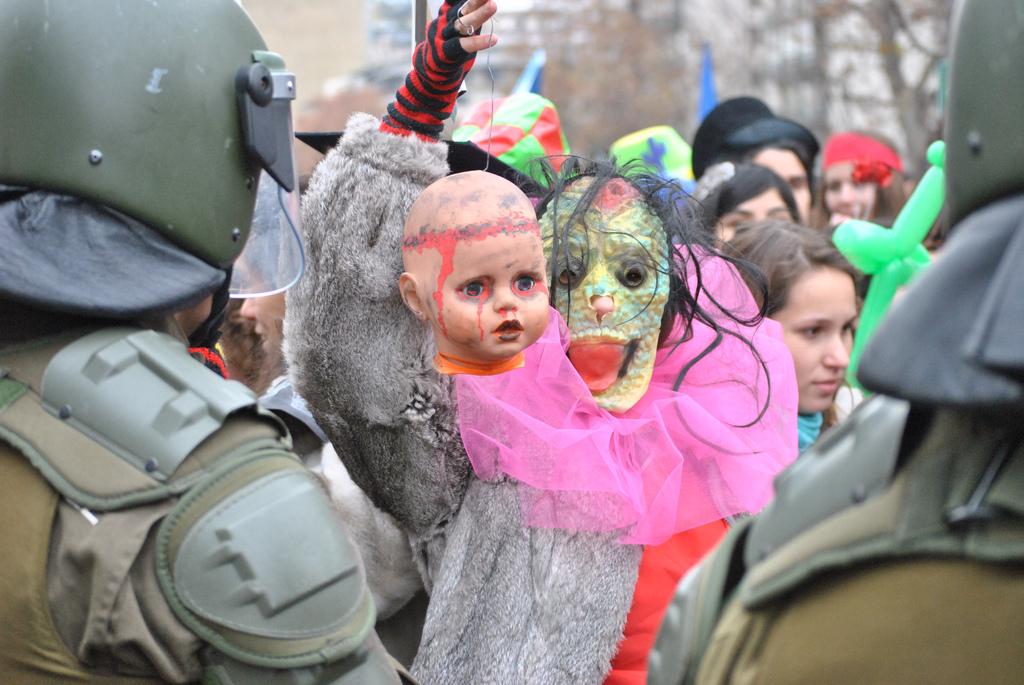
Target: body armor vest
<point>118,420</point>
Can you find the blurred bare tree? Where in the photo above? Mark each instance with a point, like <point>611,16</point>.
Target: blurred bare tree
<point>904,42</point>
<point>839,64</point>
<point>615,66</point>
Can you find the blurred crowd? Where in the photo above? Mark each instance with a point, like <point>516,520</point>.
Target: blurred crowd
<point>461,406</point>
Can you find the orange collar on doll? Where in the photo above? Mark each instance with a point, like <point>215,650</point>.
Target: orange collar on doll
<point>449,365</point>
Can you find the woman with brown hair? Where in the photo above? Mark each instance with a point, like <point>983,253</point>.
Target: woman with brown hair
<point>812,293</point>
<point>862,178</point>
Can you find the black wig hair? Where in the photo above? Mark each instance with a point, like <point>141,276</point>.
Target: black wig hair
<point>687,242</point>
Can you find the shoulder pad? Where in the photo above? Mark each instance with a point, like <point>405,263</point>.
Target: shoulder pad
<point>256,561</point>
<point>372,666</point>
<point>855,461</point>
<point>141,395</point>
<point>112,418</point>
<point>941,503</point>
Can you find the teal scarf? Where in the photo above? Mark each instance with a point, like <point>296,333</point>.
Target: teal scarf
<point>808,427</point>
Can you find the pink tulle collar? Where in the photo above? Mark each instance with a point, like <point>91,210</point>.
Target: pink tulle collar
<point>678,459</point>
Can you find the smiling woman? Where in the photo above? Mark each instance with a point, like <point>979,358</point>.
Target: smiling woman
<point>863,179</point>
<point>812,293</point>
<point>731,194</point>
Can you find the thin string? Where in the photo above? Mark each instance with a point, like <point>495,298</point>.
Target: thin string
<point>490,128</point>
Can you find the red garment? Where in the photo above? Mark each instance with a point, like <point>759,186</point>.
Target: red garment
<point>661,568</point>
<point>211,358</point>
<point>856,147</point>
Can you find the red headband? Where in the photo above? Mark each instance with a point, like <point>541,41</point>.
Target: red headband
<point>856,147</point>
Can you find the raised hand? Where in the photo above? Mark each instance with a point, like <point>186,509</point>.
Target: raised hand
<point>440,63</point>
<point>468,22</point>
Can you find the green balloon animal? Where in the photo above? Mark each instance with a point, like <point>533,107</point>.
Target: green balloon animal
<point>892,257</point>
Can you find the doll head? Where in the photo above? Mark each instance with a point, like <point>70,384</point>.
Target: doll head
<point>475,269</point>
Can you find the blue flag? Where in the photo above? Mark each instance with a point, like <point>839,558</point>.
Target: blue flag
<point>708,94</point>
<point>530,80</point>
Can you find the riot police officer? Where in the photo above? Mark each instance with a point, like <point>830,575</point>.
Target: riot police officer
<point>154,524</point>
<point>893,551</point>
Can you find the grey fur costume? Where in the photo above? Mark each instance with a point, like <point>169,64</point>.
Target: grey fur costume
<point>508,604</point>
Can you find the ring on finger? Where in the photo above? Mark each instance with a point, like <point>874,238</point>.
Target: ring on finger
<point>462,27</point>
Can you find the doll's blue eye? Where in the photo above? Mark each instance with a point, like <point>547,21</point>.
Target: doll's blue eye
<point>474,289</point>
<point>524,284</point>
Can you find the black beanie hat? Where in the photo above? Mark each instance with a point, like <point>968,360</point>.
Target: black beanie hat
<point>746,123</point>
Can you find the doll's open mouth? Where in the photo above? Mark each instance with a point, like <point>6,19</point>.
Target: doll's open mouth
<point>508,330</point>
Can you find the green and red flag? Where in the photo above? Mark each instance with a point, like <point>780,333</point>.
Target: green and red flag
<point>518,130</point>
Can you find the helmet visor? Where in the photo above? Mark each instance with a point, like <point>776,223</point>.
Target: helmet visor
<point>273,258</point>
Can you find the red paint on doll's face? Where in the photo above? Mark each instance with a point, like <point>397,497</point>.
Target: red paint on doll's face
<point>490,299</point>
<point>445,242</point>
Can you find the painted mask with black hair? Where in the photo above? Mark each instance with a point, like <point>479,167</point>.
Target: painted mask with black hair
<point>610,279</point>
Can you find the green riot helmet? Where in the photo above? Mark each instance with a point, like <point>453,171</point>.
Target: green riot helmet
<point>160,118</point>
<point>984,138</point>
